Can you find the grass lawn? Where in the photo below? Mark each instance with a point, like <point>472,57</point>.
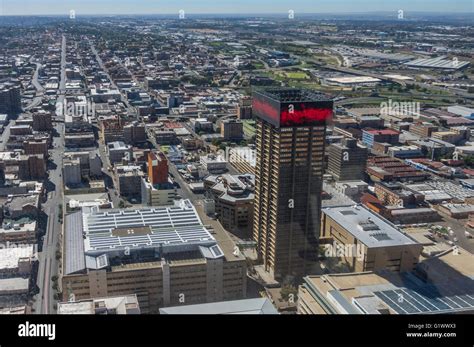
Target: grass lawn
<point>165,149</point>
<point>297,75</point>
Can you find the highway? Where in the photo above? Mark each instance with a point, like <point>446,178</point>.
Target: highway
<point>48,264</point>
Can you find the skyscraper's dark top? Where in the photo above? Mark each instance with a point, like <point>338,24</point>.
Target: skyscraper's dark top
<point>287,107</point>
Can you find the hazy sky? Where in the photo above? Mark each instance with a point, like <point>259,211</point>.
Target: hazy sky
<point>31,7</point>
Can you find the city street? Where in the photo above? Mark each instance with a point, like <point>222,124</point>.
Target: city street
<point>48,264</point>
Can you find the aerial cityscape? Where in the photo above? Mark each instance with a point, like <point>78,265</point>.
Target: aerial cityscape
<point>195,159</point>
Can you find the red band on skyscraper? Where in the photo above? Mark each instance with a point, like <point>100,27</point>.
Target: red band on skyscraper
<point>304,114</point>
<point>261,107</point>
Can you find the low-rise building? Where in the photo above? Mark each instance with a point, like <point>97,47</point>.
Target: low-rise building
<point>20,231</point>
<point>384,136</point>
<point>108,305</point>
<point>440,285</point>
<point>352,189</point>
<point>165,136</point>
<point>159,194</point>
<point>234,197</point>
<point>457,135</point>
<point>17,260</point>
<point>117,150</point>
<point>246,306</point>
<point>423,129</point>
<point>213,163</point>
<point>371,242</point>
<point>394,194</point>
<point>405,152</point>
<point>25,205</point>
<point>457,211</point>
<point>79,140</point>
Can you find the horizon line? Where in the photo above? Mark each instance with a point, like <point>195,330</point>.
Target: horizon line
<point>230,13</point>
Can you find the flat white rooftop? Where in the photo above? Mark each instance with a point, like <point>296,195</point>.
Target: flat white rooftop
<point>116,305</point>
<point>10,256</point>
<point>354,79</point>
<point>438,63</point>
<point>247,306</point>
<point>367,227</point>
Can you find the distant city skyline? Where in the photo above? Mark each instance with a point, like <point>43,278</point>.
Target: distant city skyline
<point>123,7</point>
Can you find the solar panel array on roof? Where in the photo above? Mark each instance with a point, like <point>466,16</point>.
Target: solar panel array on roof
<point>74,244</point>
<point>165,226</point>
<point>443,298</point>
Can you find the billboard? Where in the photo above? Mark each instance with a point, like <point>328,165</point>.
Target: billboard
<point>289,114</point>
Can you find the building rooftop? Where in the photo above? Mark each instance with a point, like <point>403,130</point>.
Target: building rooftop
<point>93,236</point>
<point>354,79</point>
<point>447,287</point>
<point>14,285</point>
<point>247,306</point>
<point>18,226</point>
<point>9,257</point>
<point>293,95</point>
<point>166,225</point>
<point>110,305</point>
<point>118,145</point>
<point>382,132</point>
<point>367,227</point>
<point>87,200</point>
<point>441,62</point>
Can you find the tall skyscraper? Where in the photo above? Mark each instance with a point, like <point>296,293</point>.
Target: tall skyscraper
<point>290,137</point>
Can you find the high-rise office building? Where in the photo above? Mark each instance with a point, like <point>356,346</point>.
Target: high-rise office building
<point>134,133</point>
<point>232,130</point>
<point>157,190</point>
<point>42,121</point>
<point>348,160</point>
<point>245,108</point>
<point>10,100</point>
<point>157,168</point>
<point>290,137</point>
